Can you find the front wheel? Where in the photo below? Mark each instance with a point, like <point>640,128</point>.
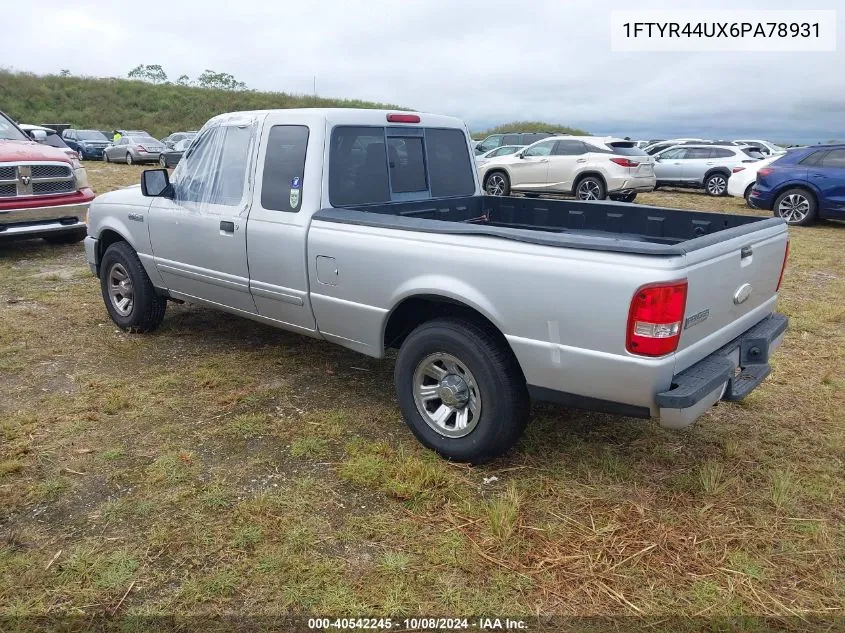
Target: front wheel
<point>590,188</point>
<point>460,390</point>
<point>716,184</point>
<point>497,183</point>
<point>130,297</point>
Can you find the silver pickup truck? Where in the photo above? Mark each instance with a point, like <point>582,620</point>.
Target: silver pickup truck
<point>366,228</point>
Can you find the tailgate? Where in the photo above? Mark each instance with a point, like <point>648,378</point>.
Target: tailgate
<point>727,281</point>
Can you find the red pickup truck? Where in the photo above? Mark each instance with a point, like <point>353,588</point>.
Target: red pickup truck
<point>43,192</point>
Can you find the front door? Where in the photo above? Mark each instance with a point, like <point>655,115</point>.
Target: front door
<point>531,171</point>
<point>829,176</point>
<point>567,159</point>
<point>199,237</point>
<point>669,164</point>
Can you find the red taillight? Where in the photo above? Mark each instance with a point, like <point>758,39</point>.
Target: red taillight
<point>140,148</point>
<point>624,162</point>
<point>764,171</point>
<point>656,317</point>
<point>737,169</point>
<point>783,266</point>
<point>403,118</point>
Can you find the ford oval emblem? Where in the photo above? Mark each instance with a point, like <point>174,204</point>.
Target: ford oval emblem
<point>742,293</point>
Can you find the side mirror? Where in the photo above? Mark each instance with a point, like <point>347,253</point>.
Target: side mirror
<point>520,155</point>
<point>38,135</point>
<point>155,183</point>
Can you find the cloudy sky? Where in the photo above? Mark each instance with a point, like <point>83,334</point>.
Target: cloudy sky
<point>486,61</point>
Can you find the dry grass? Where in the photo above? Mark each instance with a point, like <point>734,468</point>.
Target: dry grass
<point>220,466</point>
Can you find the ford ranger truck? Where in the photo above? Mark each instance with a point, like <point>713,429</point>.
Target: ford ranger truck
<point>43,192</point>
<point>367,228</point>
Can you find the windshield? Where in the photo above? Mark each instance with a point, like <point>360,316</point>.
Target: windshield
<point>9,132</point>
<point>91,135</point>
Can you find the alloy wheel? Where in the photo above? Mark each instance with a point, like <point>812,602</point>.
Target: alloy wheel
<point>794,208</point>
<point>447,395</point>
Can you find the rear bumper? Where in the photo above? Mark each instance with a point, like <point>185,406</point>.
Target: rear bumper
<point>729,373</point>
<point>761,199</point>
<point>630,185</point>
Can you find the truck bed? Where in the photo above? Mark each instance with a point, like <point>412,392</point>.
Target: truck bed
<point>608,226</point>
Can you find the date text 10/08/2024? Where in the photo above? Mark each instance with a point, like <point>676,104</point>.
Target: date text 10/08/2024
<point>422,624</point>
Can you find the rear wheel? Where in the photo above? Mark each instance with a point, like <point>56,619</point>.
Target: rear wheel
<point>497,183</point>
<point>105,157</point>
<point>590,188</point>
<point>796,206</point>
<point>162,161</point>
<point>129,295</point>
<point>716,184</point>
<point>747,194</point>
<point>460,390</point>
<point>129,159</point>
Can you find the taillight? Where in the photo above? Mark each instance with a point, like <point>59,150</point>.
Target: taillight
<point>764,171</point>
<point>140,148</point>
<point>737,169</point>
<point>403,118</point>
<point>783,266</point>
<point>624,162</point>
<point>655,318</point>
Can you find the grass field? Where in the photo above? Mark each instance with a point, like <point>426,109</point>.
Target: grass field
<point>219,466</point>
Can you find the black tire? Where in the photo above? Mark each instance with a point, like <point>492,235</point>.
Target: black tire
<point>129,159</point>
<point>67,237</point>
<point>747,194</point>
<point>147,310</point>
<point>628,197</point>
<point>800,200</point>
<point>105,157</point>
<point>501,389</point>
<point>491,184</point>
<point>590,188</point>
<point>716,184</point>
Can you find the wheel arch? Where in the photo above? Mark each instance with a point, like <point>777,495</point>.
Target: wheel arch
<point>716,170</point>
<point>585,174</point>
<point>415,309</point>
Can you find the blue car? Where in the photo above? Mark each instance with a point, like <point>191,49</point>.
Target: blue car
<point>89,144</point>
<point>804,185</point>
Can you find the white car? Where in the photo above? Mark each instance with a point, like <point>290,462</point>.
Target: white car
<point>588,167</point>
<point>744,176</point>
<point>504,150</point>
<point>767,147</point>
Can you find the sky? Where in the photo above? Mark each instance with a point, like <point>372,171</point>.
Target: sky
<point>487,62</point>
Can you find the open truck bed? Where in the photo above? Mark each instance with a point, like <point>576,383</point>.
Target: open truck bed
<point>604,226</point>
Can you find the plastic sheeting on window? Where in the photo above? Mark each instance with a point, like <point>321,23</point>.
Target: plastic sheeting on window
<point>214,174</point>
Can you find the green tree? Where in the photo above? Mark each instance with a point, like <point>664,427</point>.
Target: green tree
<point>221,81</point>
<point>183,80</point>
<point>64,72</point>
<point>153,73</point>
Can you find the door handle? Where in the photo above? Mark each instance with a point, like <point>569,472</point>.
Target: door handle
<point>227,226</point>
<point>711,163</point>
<point>818,176</point>
<point>581,160</point>
<point>543,160</point>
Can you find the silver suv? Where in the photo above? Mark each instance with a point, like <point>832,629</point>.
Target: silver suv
<point>701,166</point>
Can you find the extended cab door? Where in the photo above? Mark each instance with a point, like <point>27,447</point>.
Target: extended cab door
<point>565,161</point>
<point>531,171</point>
<point>288,190</point>
<point>199,237</point>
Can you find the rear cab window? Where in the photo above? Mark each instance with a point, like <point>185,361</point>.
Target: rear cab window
<point>372,165</point>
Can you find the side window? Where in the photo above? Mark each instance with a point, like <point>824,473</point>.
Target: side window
<point>814,159</point>
<point>677,153</point>
<point>700,152</point>
<point>540,149</point>
<point>721,152</point>
<point>450,168</point>
<point>510,139</point>
<point>570,148</point>
<point>284,168</point>
<point>491,142</point>
<point>230,175</point>
<point>835,158</point>
<point>192,178</point>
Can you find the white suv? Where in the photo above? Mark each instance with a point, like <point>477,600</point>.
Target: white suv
<point>702,166</point>
<point>589,167</point>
